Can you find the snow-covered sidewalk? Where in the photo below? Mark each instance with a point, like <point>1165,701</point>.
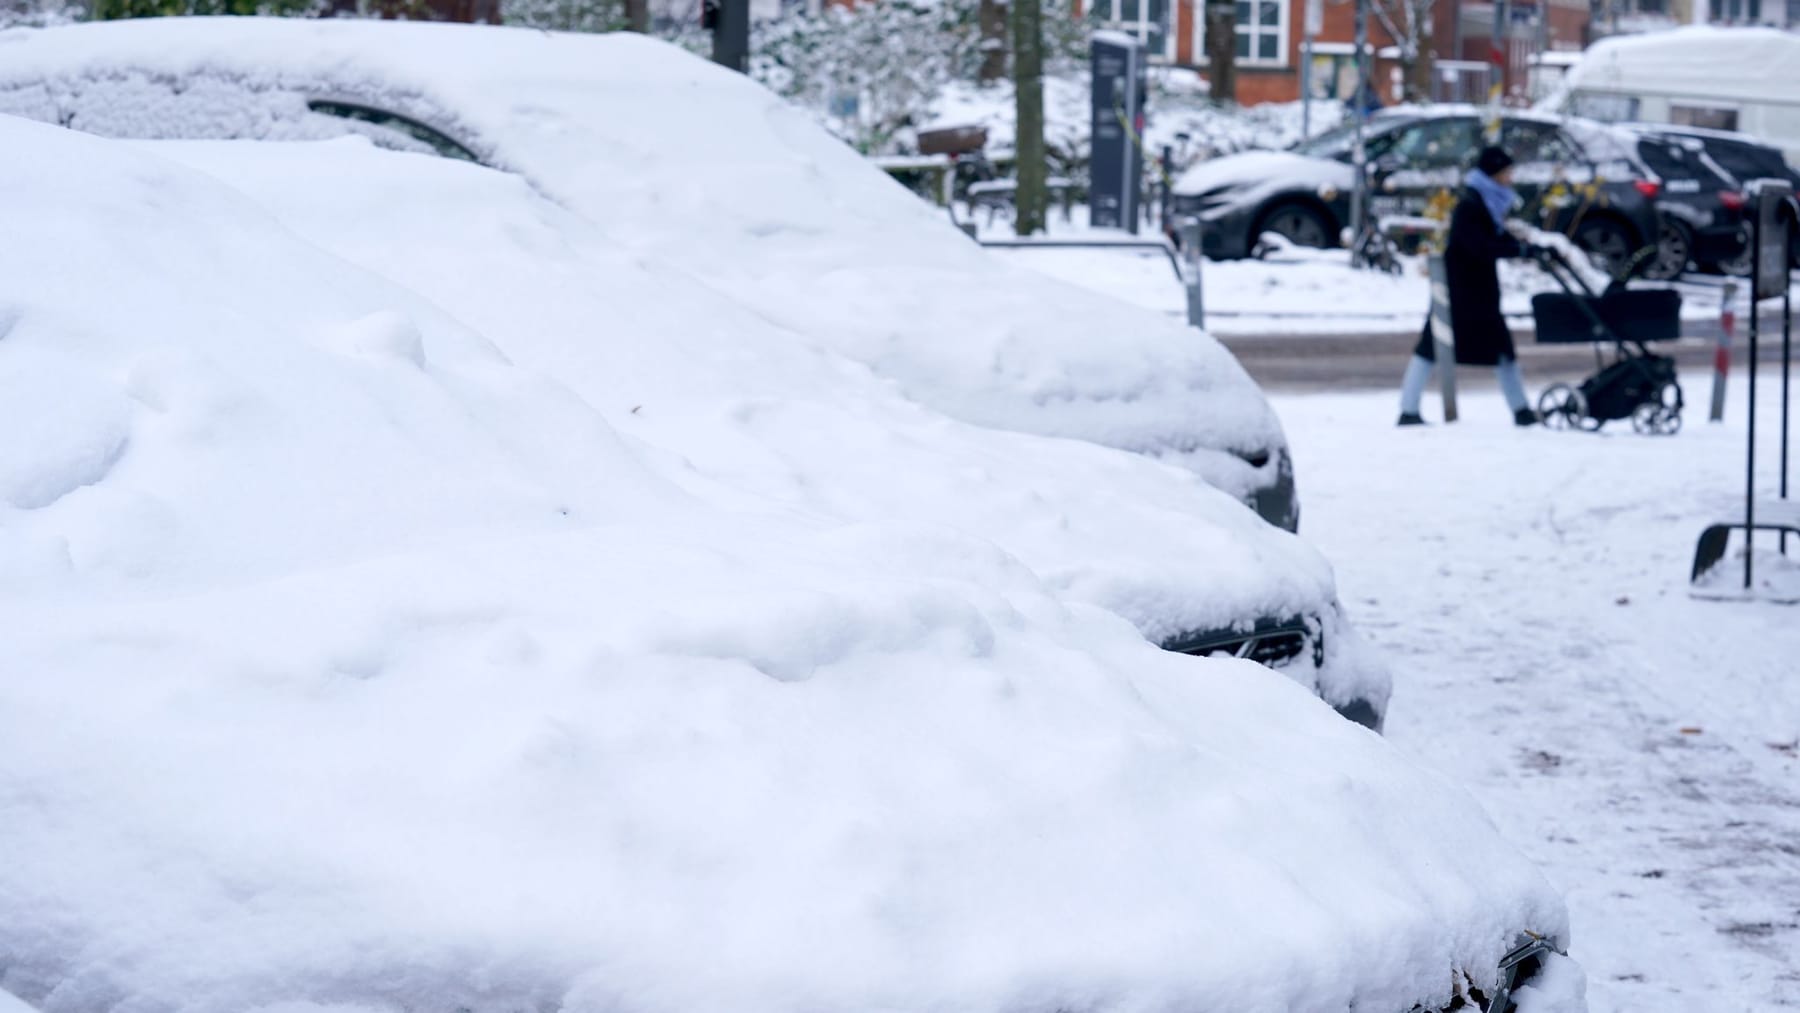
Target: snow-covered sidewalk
<point>1530,590</point>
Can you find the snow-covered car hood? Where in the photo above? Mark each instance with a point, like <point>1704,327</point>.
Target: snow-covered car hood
<point>1263,170</point>
<point>698,166</point>
<point>696,375</point>
<point>352,664</point>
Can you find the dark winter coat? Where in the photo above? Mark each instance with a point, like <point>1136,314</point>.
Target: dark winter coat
<point>1471,261</point>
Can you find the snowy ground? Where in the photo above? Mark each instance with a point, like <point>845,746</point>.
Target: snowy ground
<point>1530,590</point>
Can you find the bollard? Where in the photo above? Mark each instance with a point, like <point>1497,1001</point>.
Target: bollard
<point>1190,250</point>
<point>1442,337</point>
<point>1722,352</point>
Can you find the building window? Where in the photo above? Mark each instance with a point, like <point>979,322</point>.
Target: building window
<point>1147,20</point>
<point>1737,12</point>
<point>1262,32</point>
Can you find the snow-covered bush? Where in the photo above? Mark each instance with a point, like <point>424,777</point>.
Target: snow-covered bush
<point>873,72</point>
<point>104,10</point>
<point>38,13</point>
<point>565,15</point>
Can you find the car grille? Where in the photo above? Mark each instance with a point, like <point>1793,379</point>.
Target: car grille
<point>1276,644</point>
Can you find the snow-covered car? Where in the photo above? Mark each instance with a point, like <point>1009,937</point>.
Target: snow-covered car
<point>355,663</point>
<point>756,199</point>
<point>562,288</point>
<point>1415,154</point>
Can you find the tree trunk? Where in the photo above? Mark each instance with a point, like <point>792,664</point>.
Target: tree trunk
<point>1221,50</point>
<point>637,15</point>
<point>1419,80</point>
<point>993,40</point>
<point>1028,83</point>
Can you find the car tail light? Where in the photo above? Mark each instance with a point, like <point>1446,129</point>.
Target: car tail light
<point>1648,187</point>
<point>1733,200</point>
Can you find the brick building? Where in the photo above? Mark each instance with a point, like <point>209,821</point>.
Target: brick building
<point>1271,49</point>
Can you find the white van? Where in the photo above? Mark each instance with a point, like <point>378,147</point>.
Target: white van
<point>1741,79</point>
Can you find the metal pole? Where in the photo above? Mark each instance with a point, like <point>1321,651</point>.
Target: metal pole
<point>731,35</point>
<point>1497,54</point>
<point>1359,155</point>
<point>1306,88</point>
<point>1750,453</point>
<point>1190,255</point>
<point>1787,362</point>
<point>1165,190</point>
<point>1310,28</point>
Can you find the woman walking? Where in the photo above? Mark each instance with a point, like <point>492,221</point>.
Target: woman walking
<point>1479,238</point>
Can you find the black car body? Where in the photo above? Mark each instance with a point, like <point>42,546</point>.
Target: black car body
<point>1732,160</point>
<point>1575,178</point>
<point>1702,206</point>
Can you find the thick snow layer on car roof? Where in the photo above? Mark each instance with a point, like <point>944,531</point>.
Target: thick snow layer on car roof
<point>702,167</point>
<point>701,377</point>
<point>349,663</point>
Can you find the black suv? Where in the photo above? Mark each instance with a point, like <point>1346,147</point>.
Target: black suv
<point>1575,177</point>
<point>1729,161</point>
<point>1702,207</point>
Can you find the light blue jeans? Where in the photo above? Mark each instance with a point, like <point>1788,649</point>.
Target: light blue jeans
<point>1412,387</point>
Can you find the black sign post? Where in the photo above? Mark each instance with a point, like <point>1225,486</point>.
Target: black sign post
<point>729,21</point>
<point>1773,201</point>
<point>1116,166</point>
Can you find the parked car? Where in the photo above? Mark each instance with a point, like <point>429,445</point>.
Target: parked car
<point>1736,79</point>
<point>1702,207</point>
<point>1735,160</point>
<point>502,646</point>
<point>1572,176</point>
<point>954,327</point>
<point>740,188</point>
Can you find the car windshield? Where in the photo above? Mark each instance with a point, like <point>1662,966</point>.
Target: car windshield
<point>1335,143</point>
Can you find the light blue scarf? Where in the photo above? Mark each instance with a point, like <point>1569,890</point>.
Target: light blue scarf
<point>1498,198</point>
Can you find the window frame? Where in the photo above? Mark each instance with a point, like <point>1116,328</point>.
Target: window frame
<point>1257,29</point>
<point>1107,13</point>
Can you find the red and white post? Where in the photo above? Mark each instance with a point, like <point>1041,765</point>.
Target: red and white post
<point>1722,351</point>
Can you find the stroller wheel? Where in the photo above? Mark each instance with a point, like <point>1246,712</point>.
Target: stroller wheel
<point>1661,414</point>
<point>1561,406</point>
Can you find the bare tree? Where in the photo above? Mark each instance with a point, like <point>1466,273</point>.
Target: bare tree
<point>1408,24</point>
<point>1031,198</point>
<point>1221,49</point>
<point>993,20</point>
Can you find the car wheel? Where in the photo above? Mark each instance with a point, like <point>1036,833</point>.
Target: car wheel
<point>1738,264</point>
<point>1296,223</point>
<point>1605,242</point>
<point>1673,248</point>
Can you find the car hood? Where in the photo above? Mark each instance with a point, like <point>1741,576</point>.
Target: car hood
<point>738,399</point>
<point>1264,170</point>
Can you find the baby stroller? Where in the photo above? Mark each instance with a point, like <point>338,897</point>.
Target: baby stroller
<point>1637,384</point>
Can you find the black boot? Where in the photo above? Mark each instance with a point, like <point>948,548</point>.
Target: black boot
<point>1410,419</point>
<point>1526,417</point>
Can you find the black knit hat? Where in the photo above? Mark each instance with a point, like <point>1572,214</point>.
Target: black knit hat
<point>1493,160</point>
